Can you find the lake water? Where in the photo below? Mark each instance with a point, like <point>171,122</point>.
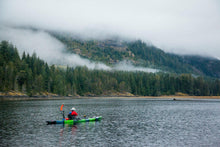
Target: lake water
<point>126,122</point>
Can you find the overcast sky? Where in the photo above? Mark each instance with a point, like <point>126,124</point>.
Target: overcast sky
<point>177,26</point>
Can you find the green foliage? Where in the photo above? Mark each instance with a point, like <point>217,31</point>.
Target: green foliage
<point>33,76</point>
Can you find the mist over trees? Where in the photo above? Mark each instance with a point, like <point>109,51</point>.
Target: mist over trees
<point>114,50</point>
<point>31,75</point>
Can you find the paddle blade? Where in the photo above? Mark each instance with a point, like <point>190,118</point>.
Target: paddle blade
<point>61,108</point>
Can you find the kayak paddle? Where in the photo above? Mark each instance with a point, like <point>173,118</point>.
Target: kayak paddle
<point>61,109</point>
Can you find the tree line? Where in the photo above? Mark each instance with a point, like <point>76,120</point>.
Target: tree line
<point>33,76</point>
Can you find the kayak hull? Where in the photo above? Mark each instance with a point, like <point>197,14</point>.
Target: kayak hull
<point>98,118</point>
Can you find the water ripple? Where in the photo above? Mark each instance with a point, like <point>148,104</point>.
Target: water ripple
<point>126,122</point>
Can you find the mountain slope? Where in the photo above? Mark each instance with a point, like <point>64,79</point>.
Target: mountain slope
<point>115,49</point>
<point>208,66</point>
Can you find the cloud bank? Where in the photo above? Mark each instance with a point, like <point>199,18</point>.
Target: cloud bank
<point>52,50</point>
<point>183,27</point>
<point>128,66</point>
<point>47,47</point>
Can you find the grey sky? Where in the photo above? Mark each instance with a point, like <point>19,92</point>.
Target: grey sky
<point>178,26</point>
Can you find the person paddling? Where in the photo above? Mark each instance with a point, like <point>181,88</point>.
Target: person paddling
<point>72,114</point>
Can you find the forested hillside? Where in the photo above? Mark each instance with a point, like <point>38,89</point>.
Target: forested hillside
<point>33,76</point>
<point>208,66</point>
<point>114,50</point>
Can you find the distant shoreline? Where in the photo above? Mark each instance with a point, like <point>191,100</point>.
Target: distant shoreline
<point>5,98</point>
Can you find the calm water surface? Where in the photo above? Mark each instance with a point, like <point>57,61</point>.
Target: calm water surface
<point>126,122</point>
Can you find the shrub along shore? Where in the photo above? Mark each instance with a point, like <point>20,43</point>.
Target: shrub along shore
<point>21,96</point>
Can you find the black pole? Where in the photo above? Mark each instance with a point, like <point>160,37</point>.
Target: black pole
<point>63,115</point>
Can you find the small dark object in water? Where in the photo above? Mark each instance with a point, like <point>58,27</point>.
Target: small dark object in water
<point>174,99</point>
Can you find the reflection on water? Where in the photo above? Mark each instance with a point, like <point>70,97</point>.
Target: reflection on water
<point>126,122</point>
<point>69,133</point>
<point>66,128</point>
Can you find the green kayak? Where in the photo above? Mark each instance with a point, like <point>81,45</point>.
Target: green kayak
<point>98,118</point>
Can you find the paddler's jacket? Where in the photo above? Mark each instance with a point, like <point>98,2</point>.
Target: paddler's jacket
<point>72,115</point>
